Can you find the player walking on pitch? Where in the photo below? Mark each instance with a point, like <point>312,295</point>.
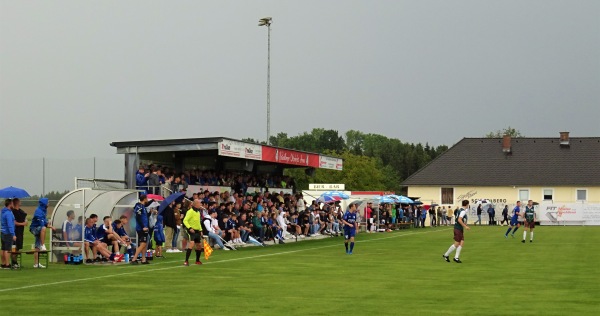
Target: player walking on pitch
<point>350,226</point>
<point>529,221</point>
<point>514,221</point>
<point>459,239</point>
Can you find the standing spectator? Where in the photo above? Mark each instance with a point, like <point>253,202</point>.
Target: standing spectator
<point>8,233</point>
<point>504,215</point>
<point>300,204</point>
<point>439,216</point>
<point>170,224</point>
<point>369,216</point>
<point>154,181</point>
<point>39,223</point>
<point>432,216</point>
<point>142,228</point>
<point>423,217</point>
<point>141,179</point>
<point>479,210</point>
<point>492,214</point>
<point>444,216</point>
<point>20,223</point>
<point>159,236</point>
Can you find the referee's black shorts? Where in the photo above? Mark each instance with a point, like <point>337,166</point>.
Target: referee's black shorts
<point>195,236</point>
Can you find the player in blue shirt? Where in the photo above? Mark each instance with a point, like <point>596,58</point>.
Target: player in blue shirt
<point>514,221</point>
<point>90,240</point>
<point>350,226</point>
<point>142,228</point>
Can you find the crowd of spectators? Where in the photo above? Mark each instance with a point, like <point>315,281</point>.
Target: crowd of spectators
<point>162,180</point>
<point>234,219</point>
<point>388,215</point>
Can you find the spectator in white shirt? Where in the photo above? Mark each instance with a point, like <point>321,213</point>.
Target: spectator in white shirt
<point>212,233</point>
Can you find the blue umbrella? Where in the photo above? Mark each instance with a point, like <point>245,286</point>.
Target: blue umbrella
<point>173,197</point>
<point>383,199</point>
<point>401,199</point>
<point>12,192</point>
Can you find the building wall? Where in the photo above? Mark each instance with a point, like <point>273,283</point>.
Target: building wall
<point>502,195</point>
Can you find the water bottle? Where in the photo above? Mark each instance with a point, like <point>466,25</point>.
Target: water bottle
<point>80,259</point>
<point>127,258</point>
<point>71,259</point>
<point>66,258</point>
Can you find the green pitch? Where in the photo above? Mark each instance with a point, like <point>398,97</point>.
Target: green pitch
<point>398,273</point>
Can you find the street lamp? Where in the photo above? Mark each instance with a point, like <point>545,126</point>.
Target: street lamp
<point>267,22</point>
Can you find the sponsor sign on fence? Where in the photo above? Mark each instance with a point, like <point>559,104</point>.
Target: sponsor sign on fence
<point>568,213</point>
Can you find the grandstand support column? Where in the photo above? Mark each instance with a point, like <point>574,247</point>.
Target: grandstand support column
<point>267,22</point>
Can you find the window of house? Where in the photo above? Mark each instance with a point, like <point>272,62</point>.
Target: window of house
<point>523,194</point>
<point>447,195</point>
<point>548,194</point>
<point>581,195</point>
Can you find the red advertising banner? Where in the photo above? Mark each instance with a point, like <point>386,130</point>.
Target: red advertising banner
<point>289,157</point>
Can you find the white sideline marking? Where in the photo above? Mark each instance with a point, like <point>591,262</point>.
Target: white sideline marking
<point>212,262</point>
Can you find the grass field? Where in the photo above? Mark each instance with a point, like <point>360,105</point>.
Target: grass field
<point>398,273</point>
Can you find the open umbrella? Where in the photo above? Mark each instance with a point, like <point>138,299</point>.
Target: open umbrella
<point>173,197</point>
<point>155,197</point>
<point>332,196</point>
<point>401,199</point>
<point>12,192</point>
<point>383,199</point>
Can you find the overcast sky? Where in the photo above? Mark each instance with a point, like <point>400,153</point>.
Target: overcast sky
<point>77,75</point>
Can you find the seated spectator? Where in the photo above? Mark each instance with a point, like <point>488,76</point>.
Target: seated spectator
<point>258,226</point>
<point>208,227</point>
<point>275,229</point>
<point>294,227</point>
<point>233,230</point>
<point>243,227</point>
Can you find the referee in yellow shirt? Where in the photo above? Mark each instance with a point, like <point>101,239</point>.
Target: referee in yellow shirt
<point>194,230</point>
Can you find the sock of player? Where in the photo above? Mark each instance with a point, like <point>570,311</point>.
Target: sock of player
<point>514,231</point>
<point>450,250</point>
<point>351,246</point>
<point>508,231</point>
<point>531,236</point>
<point>524,234</point>
<point>346,244</point>
<point>197,255</point>
<point>458,249</point>
<point>188,252</point>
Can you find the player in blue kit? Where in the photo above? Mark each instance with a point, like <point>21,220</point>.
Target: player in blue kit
<point>350,226</point>
<point>514,221</point>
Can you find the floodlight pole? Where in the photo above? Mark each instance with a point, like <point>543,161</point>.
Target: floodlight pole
<point>267,22</point>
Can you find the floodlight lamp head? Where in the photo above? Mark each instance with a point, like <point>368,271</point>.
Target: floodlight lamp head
<point>265,21</point>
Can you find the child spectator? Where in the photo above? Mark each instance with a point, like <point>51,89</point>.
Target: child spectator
<point>159,236</point>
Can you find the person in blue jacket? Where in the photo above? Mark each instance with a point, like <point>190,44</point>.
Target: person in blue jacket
<point>141,179</point>
<point>159,235</point>
<point>8,232</point>
<point>142,228</point>
<point>39,224</point>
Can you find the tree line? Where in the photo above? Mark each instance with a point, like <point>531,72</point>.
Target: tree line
<point>371,161</point>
